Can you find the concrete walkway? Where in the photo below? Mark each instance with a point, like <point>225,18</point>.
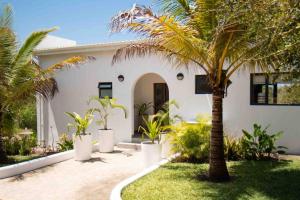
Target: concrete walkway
<point>72,180</point>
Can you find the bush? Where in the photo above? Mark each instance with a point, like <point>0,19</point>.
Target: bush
<point>232,148</point>
<point>260,145</point>
<point>65,143</point>
<point>27,117</point>
<point>17,145</point>
<point>191,140</point>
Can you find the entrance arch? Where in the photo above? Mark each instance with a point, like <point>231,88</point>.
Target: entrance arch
<point>150,93</point>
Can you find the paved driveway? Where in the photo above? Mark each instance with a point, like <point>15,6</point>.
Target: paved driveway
<point>72,180</point>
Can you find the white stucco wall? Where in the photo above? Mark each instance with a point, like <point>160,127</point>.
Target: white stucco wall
<point>78,84</point>
<point>52,41</point>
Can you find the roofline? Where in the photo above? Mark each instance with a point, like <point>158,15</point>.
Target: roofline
<point>84,48</point>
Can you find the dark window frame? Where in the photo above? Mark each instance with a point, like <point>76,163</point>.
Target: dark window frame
<point>110,88</point>
<point>207,90</point>
<point>252,102</point>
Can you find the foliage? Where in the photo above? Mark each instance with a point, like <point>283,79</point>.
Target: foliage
<point>164,113</point>
<point>232,148</point>
<point>143,108</point>
<point>263,180</point>
<point>153,128</point>
<point>191,140</point>
<point>259,144</point>
<point>106,105</point>
<point>26,116</point>
<point>65,143</point>
<point>80,123</point>
<point>9,123</point>
<point>21,78</point>
<point>20,145</point>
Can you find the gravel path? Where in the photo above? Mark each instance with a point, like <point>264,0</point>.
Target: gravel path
<point>72,180</point>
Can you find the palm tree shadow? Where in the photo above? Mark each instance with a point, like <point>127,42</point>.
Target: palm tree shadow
<point>274,180</point>
<point>278,180</point>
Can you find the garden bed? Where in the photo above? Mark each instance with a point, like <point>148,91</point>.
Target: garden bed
<point>250,180</point>
<point>19,158</point>
<point>34,163</point>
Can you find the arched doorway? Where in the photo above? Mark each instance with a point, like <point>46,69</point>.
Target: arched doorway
<point>150,93</point>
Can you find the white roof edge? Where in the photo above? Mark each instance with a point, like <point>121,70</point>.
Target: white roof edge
<point>84,48</point>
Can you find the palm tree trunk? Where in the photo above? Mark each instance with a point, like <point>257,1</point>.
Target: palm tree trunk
<point>3,156</point>
<point>217,165</point>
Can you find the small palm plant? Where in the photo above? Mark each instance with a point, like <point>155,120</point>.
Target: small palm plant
<point>165,116</point>
<point>80,123</point>
<point>106,105</point>
<point>153,128</point>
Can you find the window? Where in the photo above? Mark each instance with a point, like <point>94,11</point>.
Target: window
<point>202,85</point>
<point>105,89</point>
<point>274,89</point>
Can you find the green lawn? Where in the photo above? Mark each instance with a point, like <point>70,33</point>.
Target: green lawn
<point>18,158</point>
<point>262,180</point>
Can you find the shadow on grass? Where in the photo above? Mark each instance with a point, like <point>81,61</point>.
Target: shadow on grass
<point>251,180</point>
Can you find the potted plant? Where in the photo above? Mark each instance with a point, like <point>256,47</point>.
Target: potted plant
<point>82,139</point>
<point>167,120</point>
<point>106,135</point>
<point>151,150</point>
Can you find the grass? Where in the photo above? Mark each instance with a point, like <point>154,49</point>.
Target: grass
<point>19,158</point>
<point>263,180</point>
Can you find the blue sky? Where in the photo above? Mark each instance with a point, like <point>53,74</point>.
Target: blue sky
<point>85,21</point>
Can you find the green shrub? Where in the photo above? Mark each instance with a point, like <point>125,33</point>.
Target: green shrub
<point>191,140</point>
<point>17,145</point>
<point>260,145</point>
<point>65,143</point>
<point>232,148</point>
<point>27,117</point>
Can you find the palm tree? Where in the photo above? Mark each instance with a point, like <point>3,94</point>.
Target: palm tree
<point>217,36</point>
<point>21,78</point>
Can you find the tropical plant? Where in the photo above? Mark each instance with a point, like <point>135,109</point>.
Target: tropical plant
<point>259,144</point>
<point>164,113</point>
<point>106,105</point>
<point>80,124</point>
<point>21,78</point>
<point>219,37</point>
<point>232,148</point>
<point>18,145</point>
<point>153,129</point>
<point>143,108</point>
<point>65,143</point>
<point>191,140</point>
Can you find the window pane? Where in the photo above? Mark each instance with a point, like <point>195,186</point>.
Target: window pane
<point>105,89</point>
<point>275,89</point>
<point>202,85</point>
<point>288,93</point>
<point>106,92</point>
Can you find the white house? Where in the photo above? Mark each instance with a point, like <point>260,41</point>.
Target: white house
<point>251,98</point>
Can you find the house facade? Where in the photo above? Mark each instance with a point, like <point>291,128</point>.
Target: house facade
<point>252,98</point>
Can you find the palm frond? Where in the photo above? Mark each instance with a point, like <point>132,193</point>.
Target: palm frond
<point>68,63</point>
<point>24,55</point>
<point>6,17</point>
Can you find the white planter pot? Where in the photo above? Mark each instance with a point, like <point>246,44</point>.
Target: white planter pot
<point>166,146</point>
<point>106,141</point>
<point>83,147</point>
<point>151,153</point>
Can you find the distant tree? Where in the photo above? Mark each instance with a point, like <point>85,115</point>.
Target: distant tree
<point>21,78</point>
<point>218,36</point>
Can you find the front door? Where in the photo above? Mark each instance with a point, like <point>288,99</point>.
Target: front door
<point>161,95</point>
